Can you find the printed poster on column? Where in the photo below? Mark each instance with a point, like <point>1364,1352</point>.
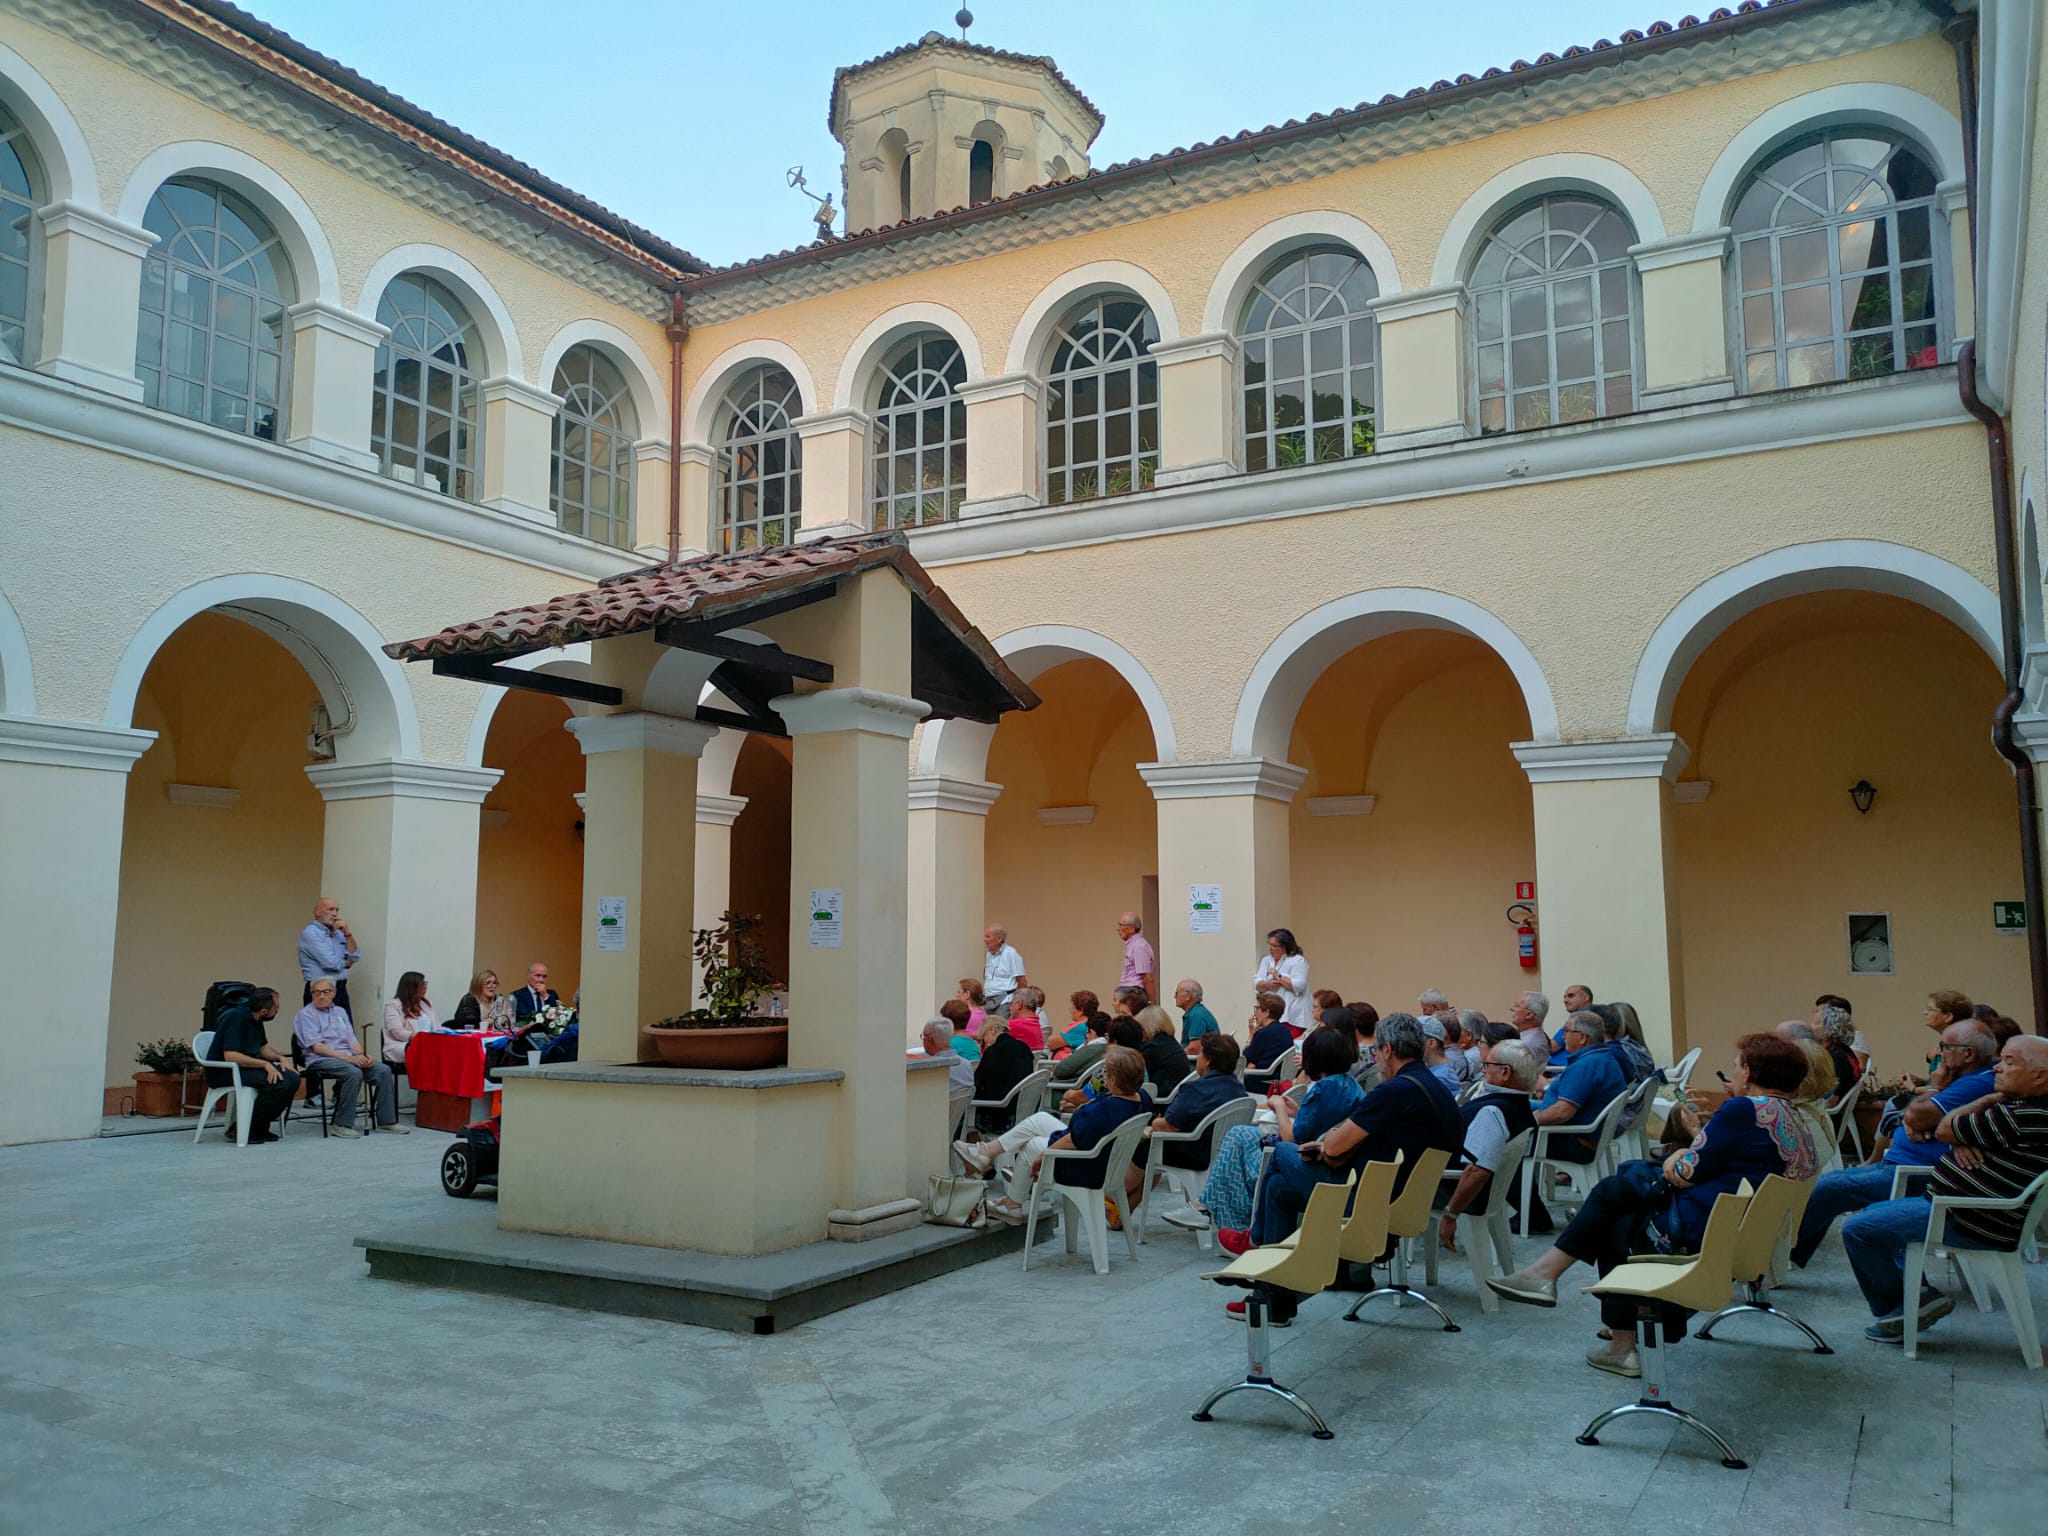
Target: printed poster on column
<point>827,913</point>
<point>611,922</point>
<point>1205,909</point>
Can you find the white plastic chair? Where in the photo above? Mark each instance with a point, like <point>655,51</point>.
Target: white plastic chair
<point>1842,1119</point>
<point>1579,1177</point>
<point>1021,1100</point>
<point>1960,1267</point>
<point>1083,1204</point>
<point>1286,1066</point>
<point>1678,1079</point>
<point>243,1095</point>
<point>2005,1266</point>
<point>1632,1130</point>
<point>1187,1182</point>
<point>1483,1233</point>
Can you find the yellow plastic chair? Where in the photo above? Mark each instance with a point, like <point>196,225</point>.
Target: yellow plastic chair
<point>1700,1284</point>
<point>1778,1205</point>
<point>1306,1268</point>
<point>1409,1217</point>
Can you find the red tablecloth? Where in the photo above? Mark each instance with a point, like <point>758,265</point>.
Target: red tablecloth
<point>450,1064</point>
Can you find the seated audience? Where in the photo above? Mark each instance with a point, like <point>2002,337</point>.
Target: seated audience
<point>1195,1018</point>
<point>1095,1044</point>
<point>406,1015</point>
<point>481,1007</point>
<point>1527,1015</point>
<point>1968,1054</point>
<point>1648,1207</point>
<point>1215,1084</point>
<point>1325,1000</point>
<point>1126,1032</point>
<point>1837,1032</point>
<point>1625,1036</point>
<point>1826,1008</point>
<point>1326,1057</point>
<point>2003,1029</point>
<point>937,1039</point>
<point>1998,1145</point>
<point>536,994</point>
<point>1166,1059</point>
<point>1446,1063</point>
<point>1593,1075</point>
<point>1005,1062</point>
<point>238,1036</point>
<point>976,1001</point>
<point>960,1019</point>
<point>1493,1117</point>
<point>328,1038</point>
<point>1016,1154</point>
<point>1472,1028</point>
<point>1942,1010</point>
<point>1365,1019</point>
<point>1271,1038</point>
<point>1024,1022</point>
<point>1081,1007</point>
<point>1125,1002</point>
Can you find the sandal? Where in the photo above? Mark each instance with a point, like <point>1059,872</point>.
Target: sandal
<point>1116,1222</point>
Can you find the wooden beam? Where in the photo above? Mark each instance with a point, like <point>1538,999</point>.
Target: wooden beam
<point>732,720</point>
<point>735,615</point>
<point>474,670</point>
<point>765,658</point>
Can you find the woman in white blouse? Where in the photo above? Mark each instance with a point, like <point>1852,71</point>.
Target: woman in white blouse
<point>406,1015</point>
<point>1283,971</point>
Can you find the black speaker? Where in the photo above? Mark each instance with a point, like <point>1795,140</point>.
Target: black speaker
<point>223,994</point>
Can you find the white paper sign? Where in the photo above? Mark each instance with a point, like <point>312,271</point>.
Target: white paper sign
<point>1205,909</point>
<point>827,911</point>
<point>611,922</point>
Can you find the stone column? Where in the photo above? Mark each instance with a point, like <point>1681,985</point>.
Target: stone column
<point>650,499</point>
<point>1685,319</point>
<point>639,844</point>
<point>1607,876</point>
<point>1005,444</point>
<point>835,473</point>
<point>715,816</point>
<point>519,448</point>
<point>399,854</point>
<point>63,795</point>
<point>697,465</point>
<point>1423,380</point>
<point>334,356</point>
<point>948,827</point>
<point>92,292</point>
<point>1221,823</point>
<point>1198,425</point>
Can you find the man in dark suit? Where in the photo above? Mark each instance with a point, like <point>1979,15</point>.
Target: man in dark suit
<point>535,995</point>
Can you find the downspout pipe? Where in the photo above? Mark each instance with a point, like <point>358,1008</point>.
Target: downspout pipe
<point>1962,32</point>
<point>678,329</point>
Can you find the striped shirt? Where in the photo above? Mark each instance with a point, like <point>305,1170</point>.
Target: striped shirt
<point>2013,1138</point>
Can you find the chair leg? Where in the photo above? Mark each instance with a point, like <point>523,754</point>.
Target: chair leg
<point>1130,1220</point>
<point>1258,1378</point>
<point>245,1111</point>
<point>1478,1238</point>
<point>1965,1266</point>
<point>1916,1269</point>
<point>1399,1288</point>
<point>213,1097</point>
<point>1650,1347</point>
<point>2019,1306</point>
<point>1030,1224</point>
<point>1756,1299</point>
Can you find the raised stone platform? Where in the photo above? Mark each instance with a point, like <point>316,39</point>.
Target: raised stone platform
<point>464,1248</point>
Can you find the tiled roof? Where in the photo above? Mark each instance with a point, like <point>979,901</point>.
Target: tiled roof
<point>1656,36</point>
<point>295,58</point>
<point>701,588</point>
<point>940,40</point>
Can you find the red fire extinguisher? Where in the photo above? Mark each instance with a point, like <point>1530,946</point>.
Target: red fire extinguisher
<point>1524,919</point>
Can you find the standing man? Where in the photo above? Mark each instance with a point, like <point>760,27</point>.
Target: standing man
<point>1002,972</point>
<point>326,950</point>
<point>328,1038</point>
<point>1141,962</point>
<point>1195,1018</point>
<point>238,1037</point>
<point>536,994</point>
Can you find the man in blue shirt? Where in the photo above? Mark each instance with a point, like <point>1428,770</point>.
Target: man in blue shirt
<point>326,950</point>
<point>1216,1086</point>
<point>1195,1018</point>
<point>1968,1050</point>
<point>1592,1077</point>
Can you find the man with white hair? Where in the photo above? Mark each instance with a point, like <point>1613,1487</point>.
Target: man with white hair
<point>1002,971</point>
<point>1472,1023</point>
<point>938,1041</point>
<point>1432,1004</point>
<point>1494,1117</point>
<point>1527,1015</point>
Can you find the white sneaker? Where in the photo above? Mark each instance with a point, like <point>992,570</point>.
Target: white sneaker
<point>978,1155</point>
<point>1189,1218</point>
<point>343,1130</point>
<point>395,1129</point>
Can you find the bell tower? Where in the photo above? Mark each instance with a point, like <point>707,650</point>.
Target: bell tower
<point>943,123</point>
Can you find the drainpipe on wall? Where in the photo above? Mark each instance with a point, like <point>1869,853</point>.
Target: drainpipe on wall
<point>1962,33</point>
<point>678,331</point>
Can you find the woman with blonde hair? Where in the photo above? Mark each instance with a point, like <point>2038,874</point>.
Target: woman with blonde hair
<point>1166,1061</point>
<point>481,1007</point>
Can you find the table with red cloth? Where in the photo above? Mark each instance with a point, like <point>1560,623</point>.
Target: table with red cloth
<point>447,1072</point>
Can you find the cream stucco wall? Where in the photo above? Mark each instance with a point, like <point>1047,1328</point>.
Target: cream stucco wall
<point>529,886</point>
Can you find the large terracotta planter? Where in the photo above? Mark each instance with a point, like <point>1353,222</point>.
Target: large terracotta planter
<point>157,1093</point>
<point>747,1047</point>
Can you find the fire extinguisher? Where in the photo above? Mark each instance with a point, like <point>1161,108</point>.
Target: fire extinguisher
<point>1523,917</point>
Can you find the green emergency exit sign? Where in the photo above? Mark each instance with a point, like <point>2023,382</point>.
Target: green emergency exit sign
<point>2009,916</point>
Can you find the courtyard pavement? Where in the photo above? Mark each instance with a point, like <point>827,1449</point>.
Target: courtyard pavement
<point>188,1341</point>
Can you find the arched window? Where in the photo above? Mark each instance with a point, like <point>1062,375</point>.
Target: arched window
<point>18,199</point>
<point>1837,251</point>
<point>426,406</point>
<point>919,472</point>
<point>211,339</point>
<point>1102,403</point>
<point>903,187</point>
<point>1552,316</point>
<point>981,172</point>
<point>1308,361</point>
<point>760,463</point>
<point>591,483</point>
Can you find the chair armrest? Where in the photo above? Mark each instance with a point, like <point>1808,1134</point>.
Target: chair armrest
<point>1174,1135</point>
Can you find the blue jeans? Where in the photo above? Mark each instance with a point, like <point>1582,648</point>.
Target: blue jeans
<point>1876,1239</point>
<point>1834,1196</point>
<point>1284,1196</point>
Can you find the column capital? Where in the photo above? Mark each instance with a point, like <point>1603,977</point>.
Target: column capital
<point>1659,756</point>
<point>823,423</point>
<point>318,314</point>
<point>403,779</point>
<point>639,731</point>
<point>1392,307</point>
<point>507,389</point>
<point>102,229</point>
<point>719,810</point>
<point>1223,778</point>
<point>937,792</point>
<point>1951,197</point>
<point>1003,386</point>
<point>1678,250</point>
<point>696,455</point>
<point>70,744</point>
<point>850,709</point>
<point>1194,349</point>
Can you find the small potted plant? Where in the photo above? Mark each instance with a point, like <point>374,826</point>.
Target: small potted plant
<point>726,1031</point>
<point>161,1089</point>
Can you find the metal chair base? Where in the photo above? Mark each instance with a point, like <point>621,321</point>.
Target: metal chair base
<point>1405,1292</point>
<point>1589,1436</point>
<point>1257,1378</point>
<point>1758,1302</point>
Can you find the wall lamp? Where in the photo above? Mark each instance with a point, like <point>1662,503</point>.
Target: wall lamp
<point>1863,792</point>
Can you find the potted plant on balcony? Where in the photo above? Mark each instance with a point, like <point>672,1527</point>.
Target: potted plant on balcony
<point>726,1031</point>
<point>161,1089</point>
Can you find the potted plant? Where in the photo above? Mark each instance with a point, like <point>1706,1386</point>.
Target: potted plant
<point>726,1031</point>
<point>161,1089</point>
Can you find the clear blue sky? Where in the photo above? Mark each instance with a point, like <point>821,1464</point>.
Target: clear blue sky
<point>683,116</point>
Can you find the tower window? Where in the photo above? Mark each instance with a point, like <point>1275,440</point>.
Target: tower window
<point>981,172</point>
